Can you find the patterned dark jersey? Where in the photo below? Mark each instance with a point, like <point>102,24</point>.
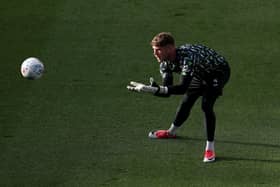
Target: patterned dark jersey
<point>194,62</point>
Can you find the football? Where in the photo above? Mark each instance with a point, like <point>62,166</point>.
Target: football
<point>32,68</point>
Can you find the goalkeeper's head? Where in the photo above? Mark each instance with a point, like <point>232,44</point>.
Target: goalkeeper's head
<point>163,45</point>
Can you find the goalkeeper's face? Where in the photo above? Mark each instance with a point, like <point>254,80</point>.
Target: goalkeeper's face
<point>163,53</point>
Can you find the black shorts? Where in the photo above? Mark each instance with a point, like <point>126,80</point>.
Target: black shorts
<point>213,84</point>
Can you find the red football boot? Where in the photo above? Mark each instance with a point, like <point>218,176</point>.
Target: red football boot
<point>161,134</point>
<point>209,156</point>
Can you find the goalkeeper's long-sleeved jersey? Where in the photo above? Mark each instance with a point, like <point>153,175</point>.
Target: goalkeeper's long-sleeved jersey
<point>193,62</point>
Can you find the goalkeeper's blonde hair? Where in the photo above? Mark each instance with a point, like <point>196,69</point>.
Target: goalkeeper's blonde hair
<point>163,39</point>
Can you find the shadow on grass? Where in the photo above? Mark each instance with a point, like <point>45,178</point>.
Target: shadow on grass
<point>225,158</point>
<point>231,142</point>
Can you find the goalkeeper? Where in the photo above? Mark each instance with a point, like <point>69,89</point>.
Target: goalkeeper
<point>203,73</point>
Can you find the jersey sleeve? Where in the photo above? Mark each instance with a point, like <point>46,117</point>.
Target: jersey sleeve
<point>180,88</point>
<point>166,74</point>
<point>186,77</point>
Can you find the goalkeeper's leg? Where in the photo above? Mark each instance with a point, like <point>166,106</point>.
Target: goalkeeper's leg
<point>182,114</point>
<point>208,101</point>
<point>184,109</point>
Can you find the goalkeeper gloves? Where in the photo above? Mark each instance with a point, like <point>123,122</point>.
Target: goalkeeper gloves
<point>153,88</point>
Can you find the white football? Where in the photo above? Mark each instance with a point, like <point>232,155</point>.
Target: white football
<point>32,68</point>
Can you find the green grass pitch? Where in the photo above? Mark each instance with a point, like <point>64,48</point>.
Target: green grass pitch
<point>79,126</point>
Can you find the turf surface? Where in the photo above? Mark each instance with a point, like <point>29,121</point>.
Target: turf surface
<point>79,126</point>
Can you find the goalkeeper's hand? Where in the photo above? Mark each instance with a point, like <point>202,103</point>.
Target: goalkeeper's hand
<point>153,88</point>
<point>139,87</point>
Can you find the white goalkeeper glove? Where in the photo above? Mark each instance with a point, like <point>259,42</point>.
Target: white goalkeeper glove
<point>153,88</point>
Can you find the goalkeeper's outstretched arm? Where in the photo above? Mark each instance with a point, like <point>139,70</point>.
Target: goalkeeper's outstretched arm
<point>180,88</point>
<point>161,91</point>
